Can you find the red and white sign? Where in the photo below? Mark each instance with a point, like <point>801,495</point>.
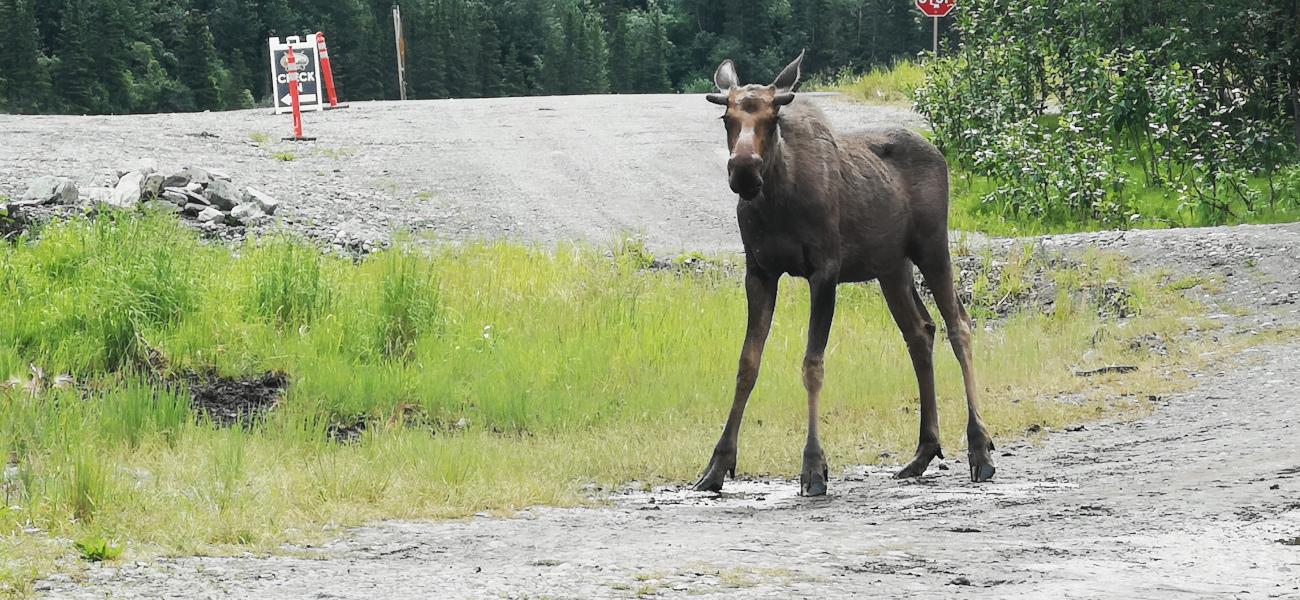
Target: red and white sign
<point>936,8</point>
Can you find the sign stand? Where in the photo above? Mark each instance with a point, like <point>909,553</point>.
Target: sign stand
<point>935,9</point>
<point>307,74</point>
<point>936,36</point>
<point>293,67</point>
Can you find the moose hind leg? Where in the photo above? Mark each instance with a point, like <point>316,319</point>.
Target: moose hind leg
<point>938,275</point>
<point>918,331</point>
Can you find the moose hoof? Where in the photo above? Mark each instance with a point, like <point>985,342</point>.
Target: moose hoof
<point>981,463</point>
<point>720,466</point>
<point>812,482</point>
<point>925,453</point>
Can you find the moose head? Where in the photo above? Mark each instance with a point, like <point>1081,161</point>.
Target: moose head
<point>751,120</point>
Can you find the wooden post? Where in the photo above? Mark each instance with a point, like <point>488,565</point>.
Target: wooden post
<point>400,40</point>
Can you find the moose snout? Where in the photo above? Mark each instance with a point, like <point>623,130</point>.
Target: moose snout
<point>744,173</point>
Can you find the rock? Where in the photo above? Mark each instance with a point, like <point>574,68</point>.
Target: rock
<point>177,179</point>
<point>353,235</point>
<point>161,206</point>
<point>218,174</point>
<point>148,166</point>
<point>128,191</point>
<point>222,194</point>
<point>48,190</point>
<point>97,195</point>
<point>248,214</point>
<point>104,179</point>
<point>196,176</point>
<point>265,202</point>
<point>194,187</point>
<point>211,215</point>
<point>189,197</point>
<point>152,184</point>
<point>175,196</point>
<point>194,209</point>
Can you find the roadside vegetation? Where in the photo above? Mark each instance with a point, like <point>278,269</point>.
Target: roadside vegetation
<point>894,84</point>
<point>1050,126</point>
<point>438,381</point>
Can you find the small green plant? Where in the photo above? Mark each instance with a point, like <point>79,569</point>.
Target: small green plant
<point>259,138</point>
<point>288,284</point>
<point>86,486</point>
<point>631,251</point>
<point>96,549</point>
<point>408,300</point>
<point>283,155</point>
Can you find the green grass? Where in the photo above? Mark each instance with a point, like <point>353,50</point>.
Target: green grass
<point>490,376</point>
<point>879,85</point>
<point>1157,209</point>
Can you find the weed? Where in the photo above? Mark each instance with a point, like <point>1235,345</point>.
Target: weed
<point>288,285</point>
<point>259,138</point>
<point>96,549</point>
<point>283,156</point>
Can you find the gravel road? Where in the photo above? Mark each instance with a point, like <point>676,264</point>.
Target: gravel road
<point>1195,500</point>
<point>538,169</point>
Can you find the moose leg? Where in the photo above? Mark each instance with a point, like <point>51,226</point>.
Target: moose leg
<point>760,290</point>
<point>812,480</point>
<point>918,331</point>
<point>938,275</point>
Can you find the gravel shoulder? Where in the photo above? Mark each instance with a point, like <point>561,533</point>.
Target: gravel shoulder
<point>1194,500</point>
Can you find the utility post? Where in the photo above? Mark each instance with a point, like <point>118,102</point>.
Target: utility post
<point>399,38</point>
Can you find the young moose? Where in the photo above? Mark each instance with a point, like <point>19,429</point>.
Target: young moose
<point>838,209</point>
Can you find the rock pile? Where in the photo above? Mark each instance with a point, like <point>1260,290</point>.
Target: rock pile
<point>204,195</point>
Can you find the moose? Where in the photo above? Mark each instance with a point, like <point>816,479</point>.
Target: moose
<point>839,209</point>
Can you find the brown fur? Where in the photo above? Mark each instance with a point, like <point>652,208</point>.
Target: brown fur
<point>839,210</point>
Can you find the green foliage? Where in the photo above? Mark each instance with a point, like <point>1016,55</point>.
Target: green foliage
<point>1075,118</point>
<point>116,56</point>
<point>96,549</point>
<point>885,85</point>
<point>288,284</point>
<point>574,59</point>
<point>408,300</point>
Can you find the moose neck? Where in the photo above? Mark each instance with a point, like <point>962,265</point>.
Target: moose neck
<point>775,168</point>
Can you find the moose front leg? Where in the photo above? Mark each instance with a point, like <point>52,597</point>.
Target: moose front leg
<point>812,480</point>
<point>760,290</point>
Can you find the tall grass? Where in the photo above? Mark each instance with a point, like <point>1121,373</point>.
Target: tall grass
<point>884,85</point>
<point>488,376</point>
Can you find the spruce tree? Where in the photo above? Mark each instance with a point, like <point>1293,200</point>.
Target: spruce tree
<point>26,86</point>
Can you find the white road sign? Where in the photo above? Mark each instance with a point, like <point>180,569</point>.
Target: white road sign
<point>306,55</point>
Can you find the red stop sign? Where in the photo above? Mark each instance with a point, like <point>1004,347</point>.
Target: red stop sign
<point>936,8</point>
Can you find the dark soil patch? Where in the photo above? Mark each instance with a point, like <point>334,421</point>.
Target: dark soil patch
<point>348,432</point>
<point>229,401</point>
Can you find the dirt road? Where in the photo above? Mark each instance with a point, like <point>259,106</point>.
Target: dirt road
<point>539,168</point>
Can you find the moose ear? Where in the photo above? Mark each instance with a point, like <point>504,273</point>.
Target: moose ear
<point>725,77</point>
<point>789,76</point>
